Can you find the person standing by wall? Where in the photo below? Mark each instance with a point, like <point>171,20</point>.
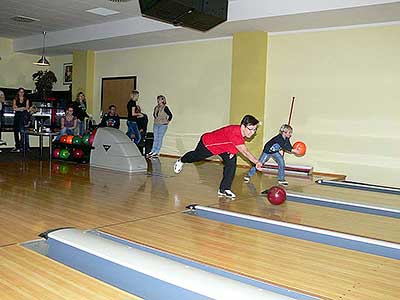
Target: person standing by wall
<point>132,117</point>
<point>162,116</point>
<point>21,108</point>
<point>80,107</point>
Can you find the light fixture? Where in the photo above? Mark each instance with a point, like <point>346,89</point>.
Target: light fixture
<point>43,60</point>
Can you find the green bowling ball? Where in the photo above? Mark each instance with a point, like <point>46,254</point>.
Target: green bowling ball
<point>64,154</point>
<point>85,139</point>
<point>64,169</point>
<point>77,140</point>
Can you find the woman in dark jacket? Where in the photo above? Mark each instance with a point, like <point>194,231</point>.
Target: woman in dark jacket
<point>80,113</point>
<point>21,109</point>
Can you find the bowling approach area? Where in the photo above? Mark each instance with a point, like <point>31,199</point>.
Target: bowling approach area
<point>157,235</point>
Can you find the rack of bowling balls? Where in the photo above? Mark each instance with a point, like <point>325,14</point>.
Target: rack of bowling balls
<point>73,148</point>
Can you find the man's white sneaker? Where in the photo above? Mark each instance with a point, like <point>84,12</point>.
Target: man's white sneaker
<point>178,166</point>
<point>283,182</point>
<point>246,179</point>
<point>226,193</point>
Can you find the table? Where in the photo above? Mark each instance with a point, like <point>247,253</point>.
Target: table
<point>50,135</point>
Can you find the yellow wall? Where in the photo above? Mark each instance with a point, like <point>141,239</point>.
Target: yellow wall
<point>16,70</point>
<point>56,65</point>
<point>195,78</point>
<point>346,84</point>
<point>248,81</point>
<point>83,76</point>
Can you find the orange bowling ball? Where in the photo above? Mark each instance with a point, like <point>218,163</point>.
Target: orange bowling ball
<point>70,139</point>
<point>301,147</point>
<point>63,139</point>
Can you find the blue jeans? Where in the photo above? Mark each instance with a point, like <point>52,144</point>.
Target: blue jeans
<point>63,131</point>
<point>159,132</point>
<point>81,127</point>
<point>133,129</point>
<point>279,160</point>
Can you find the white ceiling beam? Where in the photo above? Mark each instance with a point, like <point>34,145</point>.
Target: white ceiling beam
<point>239,11</point>
<point>123,27</point>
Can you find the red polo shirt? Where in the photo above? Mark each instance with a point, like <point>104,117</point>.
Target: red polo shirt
<point>224,139</point>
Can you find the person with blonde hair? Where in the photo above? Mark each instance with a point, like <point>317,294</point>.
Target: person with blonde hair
<point>162,116</point>
<point>133,114</point>
<point>280,142</point>
<point>80,107</point>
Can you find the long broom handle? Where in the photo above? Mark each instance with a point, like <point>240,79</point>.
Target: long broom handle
<point>291,110</point>
<point>290,115</point>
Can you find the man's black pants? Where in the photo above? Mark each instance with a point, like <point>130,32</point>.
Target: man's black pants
<point>201,153</point>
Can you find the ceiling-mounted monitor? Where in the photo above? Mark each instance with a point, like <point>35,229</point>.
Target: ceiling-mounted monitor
<point>197,14</point>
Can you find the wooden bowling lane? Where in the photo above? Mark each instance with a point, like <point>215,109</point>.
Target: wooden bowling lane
<point>35,197</point>
<point>367,225</point>
<point>325,271</point>
<point>26,275</point>
<point>349,195</point>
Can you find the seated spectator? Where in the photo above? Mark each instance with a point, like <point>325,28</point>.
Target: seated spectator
<point>111,118</point>
<point>68,123</point>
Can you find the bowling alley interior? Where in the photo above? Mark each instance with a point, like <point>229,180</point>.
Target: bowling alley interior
<point>190,150</point>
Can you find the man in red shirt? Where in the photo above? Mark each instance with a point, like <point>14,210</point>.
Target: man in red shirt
<point>225,142</point>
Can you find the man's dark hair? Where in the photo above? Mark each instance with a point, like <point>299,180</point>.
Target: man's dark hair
<point>249,120</point>
<point>111,106</point>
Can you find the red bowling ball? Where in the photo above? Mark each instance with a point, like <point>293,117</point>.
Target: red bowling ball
<point>276,195</point>
<point>77,154</point>
<point>91,138</point>
<point>56,153</point>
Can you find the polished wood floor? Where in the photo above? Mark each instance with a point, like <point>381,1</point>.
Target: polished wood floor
<point>355,196</point>
<point>366,225</point>
<point>35,197</point>
<point>321,270</point>
<point>30,276</point>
